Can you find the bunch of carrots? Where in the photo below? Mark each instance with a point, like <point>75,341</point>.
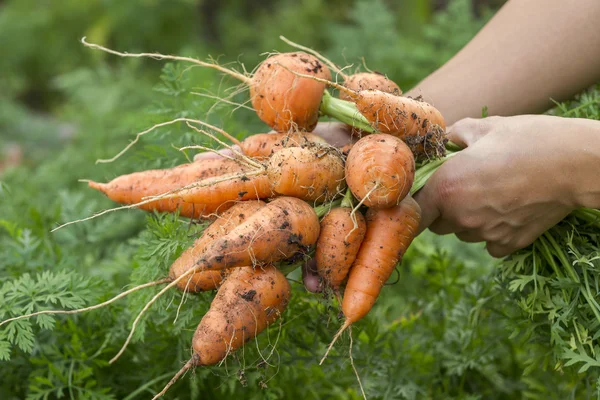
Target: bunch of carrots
<point>275,198</point>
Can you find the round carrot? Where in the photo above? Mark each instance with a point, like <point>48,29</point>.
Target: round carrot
<point>263,145</point>
<point>225,223</point>
<point>380,170</point>
<point>389,233</point>
<point>281,99</point>
<point>133,188</point>
<point>369,80</point>
<point>338,244</point>
<point>311,174</point>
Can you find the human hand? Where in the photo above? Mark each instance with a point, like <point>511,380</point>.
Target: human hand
<point>512,182</point>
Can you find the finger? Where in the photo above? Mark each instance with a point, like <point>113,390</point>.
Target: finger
<point>312,281</point>
<point>497,250</point>
<point>468,131</point>
<point>470,236</point>
<point>211,155</point>
<point>335,133</point>
<point>428,202</point>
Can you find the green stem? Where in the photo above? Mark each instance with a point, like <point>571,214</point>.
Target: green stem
<point>348,200</point>
<point>423,174</point>
<point>344,111</point>
<point>325,208</point>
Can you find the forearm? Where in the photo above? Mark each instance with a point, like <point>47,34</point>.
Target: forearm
<point>532,51</point>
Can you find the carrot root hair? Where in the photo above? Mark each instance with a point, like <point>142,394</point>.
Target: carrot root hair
<point>176,377</point>
<point>332,84</point>
<point>90,308</point>
<point>315,53</point>
<point>157,56</point>
<point>166,123</point>
<point>362,390</point>
<point>346,325</point>
<point>147,306</point>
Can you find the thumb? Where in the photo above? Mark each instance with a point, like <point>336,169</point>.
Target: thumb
<point>468,131</point>
<point>427,200</point>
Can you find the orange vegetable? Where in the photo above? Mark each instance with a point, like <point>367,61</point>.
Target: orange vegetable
<point>369,81</point>
<point>283,100</point>
<point>225,223</point>
<point>247,302</point>
<point>263,145</point>
<point>380,170</point>
<point>132,188</point>
<point>338,244</point>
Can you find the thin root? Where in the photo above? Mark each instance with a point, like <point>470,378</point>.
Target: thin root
<point>347,323</point>
<point>94,307</point>
<point>147,306</point>
<point>315,53</point>
<point>362,390</point>
<point>183,370</point>
<point>339,87</point>
<point>157,56</point>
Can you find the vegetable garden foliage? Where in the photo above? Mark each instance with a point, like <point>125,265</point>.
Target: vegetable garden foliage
<point>457,324</point>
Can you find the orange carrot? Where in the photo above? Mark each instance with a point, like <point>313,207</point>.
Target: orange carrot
<point>132,188</point>
<point>338,244</point>
<point>389,233</point>
<point>281,229</point>
<point>247,302</point>
<point>225,223</point>
<point>397,115</point>
<point>369,81</point>
<point>263,145</point>
<point>311,174</point>
<point>281,99</point>
<point>380,170</point>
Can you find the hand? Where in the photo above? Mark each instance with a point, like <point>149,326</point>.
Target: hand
<point>513,181</point>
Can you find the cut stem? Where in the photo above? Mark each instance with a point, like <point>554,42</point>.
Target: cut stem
<point>344,111</point>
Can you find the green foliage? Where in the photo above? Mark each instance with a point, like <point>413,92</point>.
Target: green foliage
<point>446,330</point>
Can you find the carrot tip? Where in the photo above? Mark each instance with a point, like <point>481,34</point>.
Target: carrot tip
<point>94,185</point>
<point>347,323</point>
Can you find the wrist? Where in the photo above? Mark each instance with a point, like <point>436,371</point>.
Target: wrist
<point>582,172</point>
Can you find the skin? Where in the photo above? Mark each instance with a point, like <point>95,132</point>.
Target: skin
<point>516,178</point>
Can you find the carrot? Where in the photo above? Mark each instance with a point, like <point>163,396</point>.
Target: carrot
<point>225,223</point>
<point>338,244</point>
<point>380,170</point>
<point>283,101</point>
<point>134,188</point>
<point>248,302</point>
<point>369,81</point>
<point>389,233</point>
<point>263,145</point>
<point>280,99</point>
<point>311,174</point>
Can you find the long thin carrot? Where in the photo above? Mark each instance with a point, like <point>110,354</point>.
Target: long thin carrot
<point>389,233</point>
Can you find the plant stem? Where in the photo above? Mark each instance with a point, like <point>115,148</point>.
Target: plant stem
<point>344,111</point>
<point>348,200</point>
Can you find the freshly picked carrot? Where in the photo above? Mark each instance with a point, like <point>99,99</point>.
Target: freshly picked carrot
<point>224,223</point>
<point>342,233</point>
<point>380,170</point>
<point>281,99</point>
<point>248,301</point>
<point>389,233</point>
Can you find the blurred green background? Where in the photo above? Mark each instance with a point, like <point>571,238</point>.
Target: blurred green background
<point>444,330</point>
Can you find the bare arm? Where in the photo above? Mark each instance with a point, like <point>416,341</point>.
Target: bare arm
<point>530,52</point>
